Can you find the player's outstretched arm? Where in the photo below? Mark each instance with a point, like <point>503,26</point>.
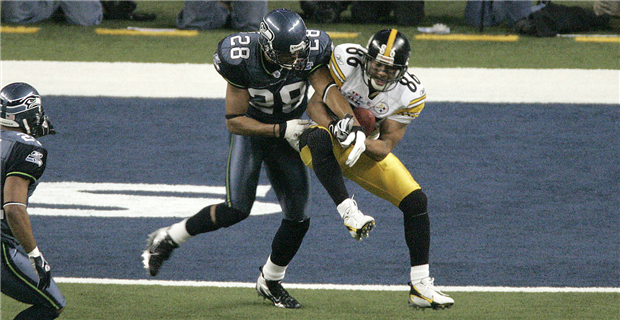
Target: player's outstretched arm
<point>237,104</point>
<point>321,80</point>
<point>317,112</point>
<point>391,134</point>
<point>324,86</point>
<point>15,199</point>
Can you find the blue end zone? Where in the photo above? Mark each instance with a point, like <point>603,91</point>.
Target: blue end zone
<point>519,195</point>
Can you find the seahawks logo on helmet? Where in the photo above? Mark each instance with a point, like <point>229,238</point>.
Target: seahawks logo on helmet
<point>21,108</point>
<point>265,32</point>
<point>283,39</point>
<point>217,61</point>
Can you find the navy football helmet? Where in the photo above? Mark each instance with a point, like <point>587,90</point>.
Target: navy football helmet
<point>386,59</point>
<point>283,39</point>
<point>21,108</point>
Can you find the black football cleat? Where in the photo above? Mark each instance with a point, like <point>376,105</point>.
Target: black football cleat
<point>159,247</point>
<point>274,291</point>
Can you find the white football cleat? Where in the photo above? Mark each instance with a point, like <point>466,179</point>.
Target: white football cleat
<point>425,295</point>
<point>358,224</point>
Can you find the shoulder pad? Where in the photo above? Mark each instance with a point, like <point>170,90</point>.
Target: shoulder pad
<point>320,48</point>
<point>345,59</point>
<point>234,53</point>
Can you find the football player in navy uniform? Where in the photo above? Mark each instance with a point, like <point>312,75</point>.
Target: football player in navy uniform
<point>268,73</point>
<point>376,78</point>
<point>26,275</point>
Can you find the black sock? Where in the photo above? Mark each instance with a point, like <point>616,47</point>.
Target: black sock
<point>326,166</point>
<point>417,227</point>
<point>287,241</point>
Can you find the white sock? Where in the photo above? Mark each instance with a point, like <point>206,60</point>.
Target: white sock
<point>272,271</point>
<point>419,272</point>
<point>178,233</point>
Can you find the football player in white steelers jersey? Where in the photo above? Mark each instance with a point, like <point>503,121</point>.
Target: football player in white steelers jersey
<point>26,275</point>
<point>376,78</point>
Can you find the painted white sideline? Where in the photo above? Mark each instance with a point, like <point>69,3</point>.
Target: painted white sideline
<point>328,286</point>
<point>166,80</point>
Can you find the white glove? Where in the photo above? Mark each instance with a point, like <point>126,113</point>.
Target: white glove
<point>40,265</point>
<point>357,136</point>
<point>340,129</point>
<point>292,130</point>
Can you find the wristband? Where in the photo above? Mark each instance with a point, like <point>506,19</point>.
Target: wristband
<point>282,129</point>
<point>14,203</point>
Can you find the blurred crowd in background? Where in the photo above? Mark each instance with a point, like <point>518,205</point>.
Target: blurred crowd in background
<point>537,18</point>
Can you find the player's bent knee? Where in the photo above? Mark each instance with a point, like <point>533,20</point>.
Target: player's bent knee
<point>414,203</point>
<point>319,137</point>
<point>300,227</point>
<point>320,144</point>
<point>315,138</point>
<point>226,216</point>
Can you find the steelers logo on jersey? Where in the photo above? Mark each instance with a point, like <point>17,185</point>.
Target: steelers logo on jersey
<point>381,108</point>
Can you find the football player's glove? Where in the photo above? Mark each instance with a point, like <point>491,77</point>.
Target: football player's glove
<point>340,129</point>
<point>42,268</point>
<point>358,138</point>
<point>292,129</point>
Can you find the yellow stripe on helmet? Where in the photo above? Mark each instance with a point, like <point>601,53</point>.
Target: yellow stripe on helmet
<point>390,43</point>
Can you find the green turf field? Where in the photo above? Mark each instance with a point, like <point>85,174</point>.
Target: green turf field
<point>62,42</point>
<point>129,302</point>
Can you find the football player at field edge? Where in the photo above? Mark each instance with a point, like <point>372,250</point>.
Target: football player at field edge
<point>26,275</point>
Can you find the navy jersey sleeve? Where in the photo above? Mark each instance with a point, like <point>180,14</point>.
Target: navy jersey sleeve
<point>321,47</point>
<point>27,161</point>
<point>233,55</point>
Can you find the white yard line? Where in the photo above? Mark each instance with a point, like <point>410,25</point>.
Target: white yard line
<point>221,284</point>
<point>165,80</point>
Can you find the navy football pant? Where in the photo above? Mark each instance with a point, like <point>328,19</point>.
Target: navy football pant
<point>19,281</point>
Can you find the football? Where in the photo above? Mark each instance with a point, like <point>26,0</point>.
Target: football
<point>366,119</point>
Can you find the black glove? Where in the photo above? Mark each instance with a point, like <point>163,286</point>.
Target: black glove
<point>43,269</point>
